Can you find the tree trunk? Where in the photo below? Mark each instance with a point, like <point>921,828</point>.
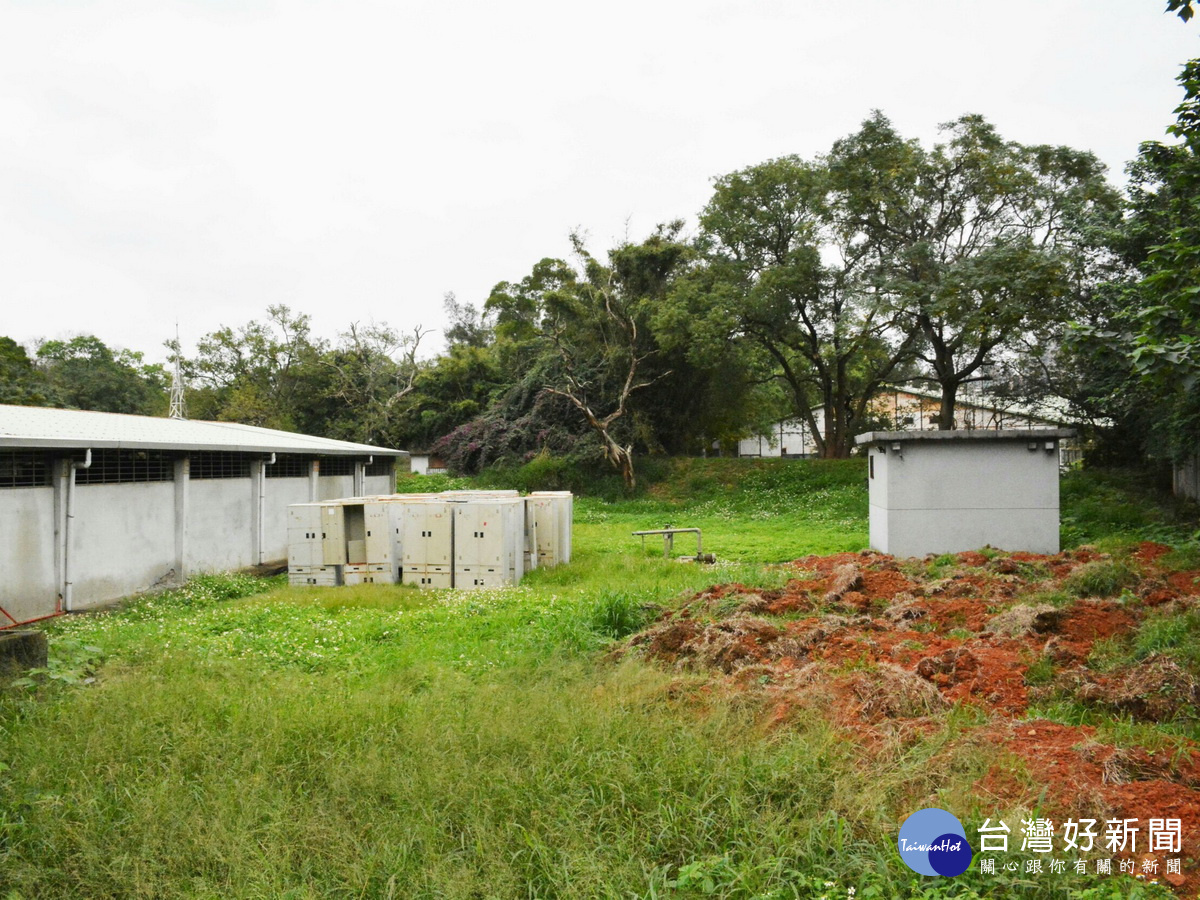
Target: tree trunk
<point>946,413</point>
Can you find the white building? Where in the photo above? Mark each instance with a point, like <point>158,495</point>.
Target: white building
<point>95,506</point>
<point>904,409</point>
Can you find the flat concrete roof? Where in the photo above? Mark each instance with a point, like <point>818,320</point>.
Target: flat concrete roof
<point>37,427</point>
<point>974,434</point>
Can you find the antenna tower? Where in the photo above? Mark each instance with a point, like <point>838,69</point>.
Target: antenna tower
<point>178,404</point>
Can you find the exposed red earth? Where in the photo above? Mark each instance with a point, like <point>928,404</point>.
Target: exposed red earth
<point>885,647</point>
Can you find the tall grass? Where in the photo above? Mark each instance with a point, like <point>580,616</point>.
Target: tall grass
<point>247,739</point>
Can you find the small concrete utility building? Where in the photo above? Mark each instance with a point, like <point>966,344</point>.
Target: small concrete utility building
<point>95,506</point>
<point>950,491</point>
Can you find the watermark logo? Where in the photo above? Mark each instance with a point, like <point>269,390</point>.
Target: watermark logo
<point>934,842</point>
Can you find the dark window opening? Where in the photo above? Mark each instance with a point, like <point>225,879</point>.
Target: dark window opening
<point>382,465</point>
<point>290,465</point>
<point>337,465</point>
<point>220,464</point>
<point>124,466</point>
<point>23,468</point>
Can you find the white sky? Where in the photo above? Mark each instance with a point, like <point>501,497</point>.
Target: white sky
<point>201,160</point>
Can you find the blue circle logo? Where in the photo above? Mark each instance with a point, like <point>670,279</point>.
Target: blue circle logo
<point>933,842</point>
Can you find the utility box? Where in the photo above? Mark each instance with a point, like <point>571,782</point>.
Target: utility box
<point>549,515</point>
<point>489,540</point>
<point>305,548</point>
<point>333,534</point>
<point>950,491</point>
<point>426,542</point>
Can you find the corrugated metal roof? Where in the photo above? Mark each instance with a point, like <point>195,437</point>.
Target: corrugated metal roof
<point>35,426</point>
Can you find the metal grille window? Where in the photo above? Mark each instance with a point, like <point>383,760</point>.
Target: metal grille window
<point>337,465</point>
<point>382,465</point>
<point>290,465</point>
<point>121,466</point>
<point>23,468</point>
<point>220,464</point>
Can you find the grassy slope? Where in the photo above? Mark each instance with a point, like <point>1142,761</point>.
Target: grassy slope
<point>380,741</point>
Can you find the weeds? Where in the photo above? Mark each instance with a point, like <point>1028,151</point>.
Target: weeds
<point>1102,578</point>
<point>242,738</point>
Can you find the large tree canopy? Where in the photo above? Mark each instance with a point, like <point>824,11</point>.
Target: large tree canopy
<point>780,275</point>
<point>978,244</point>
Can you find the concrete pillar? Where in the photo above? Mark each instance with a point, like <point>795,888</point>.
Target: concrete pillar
<point>314,473</point>
<point>258,489</point>
<point>61,472</point>
<point>183,478</point>
<point>360,475</point>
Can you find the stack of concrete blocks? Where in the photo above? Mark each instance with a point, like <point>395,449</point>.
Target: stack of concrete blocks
<point>351,541</point>
<point>316,544</point>
<point>548,518</point>
<point>372,543</point>
<point>489,537</point>
<point>426,541</point>
<point>463,539</point>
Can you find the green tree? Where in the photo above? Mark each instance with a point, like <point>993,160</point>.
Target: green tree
<point>978,244</point>
<point>781,275</point>
<point>21,382</point>
<point>369,373</point>
<point>259,374</point>
<point>600,331</point>
<point>84,373</point>
<point>584,336</point>
<point>1159,324</point>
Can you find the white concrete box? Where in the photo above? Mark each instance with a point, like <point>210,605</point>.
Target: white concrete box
<point>950,491</point>
<point>425,533</point>
<point>368,574</point>
<point>320,576</point>
<point>549,515</point>
<point>489,532</point>
<point>428,576</point>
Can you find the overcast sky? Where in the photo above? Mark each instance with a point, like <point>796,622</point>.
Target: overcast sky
<point>201,160</point>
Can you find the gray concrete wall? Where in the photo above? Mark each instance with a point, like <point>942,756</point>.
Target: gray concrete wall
<point>378,484</point>
<point>122,539</point>
<point>220,521</point>
<point>280,494</point>
<point>949,496</point>
<point>129,537</point>
<point>334,487</point>
<point>28,573</point>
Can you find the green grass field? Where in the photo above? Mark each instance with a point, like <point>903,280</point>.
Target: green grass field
<point>240,738</point>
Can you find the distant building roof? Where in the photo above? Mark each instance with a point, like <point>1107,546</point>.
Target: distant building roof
<point>1051,410</point>
<point>36,426</point>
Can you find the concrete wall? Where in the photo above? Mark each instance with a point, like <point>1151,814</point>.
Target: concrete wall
<point>280,494</point>
<point>131,537</point>
<point>378,484</point>
<point>333,487</point>
<point>122,539</point>
<point>949,496</point>
<point>220,522</point>
<point>28,573</point>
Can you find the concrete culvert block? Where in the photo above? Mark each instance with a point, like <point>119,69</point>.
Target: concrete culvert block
<point>21,651</point>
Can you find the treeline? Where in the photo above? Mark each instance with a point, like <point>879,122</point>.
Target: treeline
<point>810,285</point>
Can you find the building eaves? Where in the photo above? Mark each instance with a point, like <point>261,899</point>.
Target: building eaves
<point>36,427</point>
